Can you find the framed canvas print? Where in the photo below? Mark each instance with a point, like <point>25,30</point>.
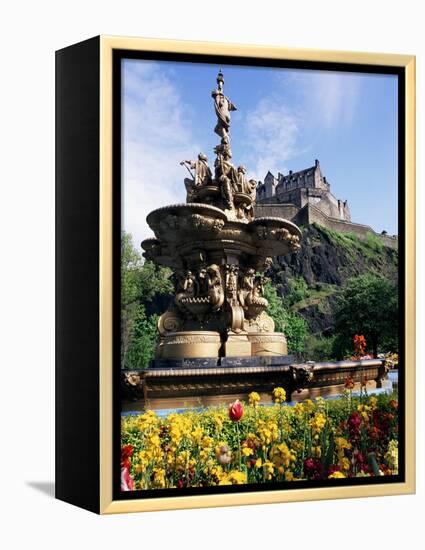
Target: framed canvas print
<point>235,274</point>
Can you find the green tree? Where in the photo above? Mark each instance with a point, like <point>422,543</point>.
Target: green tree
<point>297,291</point>
<point>143,339</point>
<point>368,305</point>
<point>290,323</point>
<point>319,348</point>
<point>142,282</point>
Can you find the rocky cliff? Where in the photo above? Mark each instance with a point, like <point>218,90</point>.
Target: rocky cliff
<point>311,279</point>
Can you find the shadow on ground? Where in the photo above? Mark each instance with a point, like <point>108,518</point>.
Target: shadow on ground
<point>46,487</point>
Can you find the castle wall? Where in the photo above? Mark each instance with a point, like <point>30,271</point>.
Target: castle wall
<point>287,211</point>
<point>311,214</point>
<point>314,215</point>
<point>322,198</point>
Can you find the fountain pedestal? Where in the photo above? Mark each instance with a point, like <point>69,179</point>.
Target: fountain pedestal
<point>219,309</point>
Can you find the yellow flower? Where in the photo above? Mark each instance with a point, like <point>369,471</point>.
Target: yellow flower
<point>373,402</point>
<point>197,435</point>
<point>281,455</point>
<point>342,443</point>
<point>207,442</point>
<point>318,422</point>
<point>258,463</point>
<point>336,475</point>
<point>279,395</point>
<point>253,398</point>
<point>159,477</point>
<point>289,475</point>
<point>267,432</point>
<point>317,451</point>
<point>236,477</point>
<point>344,464</point>
<point>298,410</point>
<point>218,419</point>
<point>233,478</point>
<point>247,451</point>
<point>391,456</point>
<point>268,468</point>
<point>308,406</point>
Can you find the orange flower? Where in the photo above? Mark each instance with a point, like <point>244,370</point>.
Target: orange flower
<point>349,383</point>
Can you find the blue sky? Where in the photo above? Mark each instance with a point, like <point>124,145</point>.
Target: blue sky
<point>285,120</point>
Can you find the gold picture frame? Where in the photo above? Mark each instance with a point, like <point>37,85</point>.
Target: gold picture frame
<point>106,47</point>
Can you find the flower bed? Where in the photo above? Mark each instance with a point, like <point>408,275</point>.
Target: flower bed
<point>248,443</point>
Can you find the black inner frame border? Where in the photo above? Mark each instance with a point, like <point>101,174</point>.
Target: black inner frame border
<point>221,61</point>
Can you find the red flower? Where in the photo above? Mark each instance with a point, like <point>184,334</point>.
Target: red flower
<point>354,420</point>
<point>236,411</point>
<point>313,468</point>
<point>126,453</point>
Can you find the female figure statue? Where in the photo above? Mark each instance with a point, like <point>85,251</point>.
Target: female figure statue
<point>222,106</point>
<point>215,287</point>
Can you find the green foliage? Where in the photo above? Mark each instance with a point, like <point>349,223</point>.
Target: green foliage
<point>131,266</point>
<point>297,291</point>
<point>143,340</point>
<point>291,324</point>
<point>370,247</point>
<point>141,283</point>
<point>319,348</point>
<point>374,242</point>
<point>368,305</point>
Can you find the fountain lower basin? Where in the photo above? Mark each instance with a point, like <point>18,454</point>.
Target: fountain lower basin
<point>168,384</point>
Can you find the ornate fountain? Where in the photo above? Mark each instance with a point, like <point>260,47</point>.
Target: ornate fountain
<point>217,340</point>
<point>218,252</point>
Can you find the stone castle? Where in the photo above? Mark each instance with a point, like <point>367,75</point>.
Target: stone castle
<point>305,197</point>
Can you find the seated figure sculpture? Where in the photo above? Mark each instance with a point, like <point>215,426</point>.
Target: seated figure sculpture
<point>201,177</point>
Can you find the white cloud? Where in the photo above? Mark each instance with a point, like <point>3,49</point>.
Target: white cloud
<point>272,132</point>
<point>302,103</point>
<point>156,137</point>
<point>328,99</point>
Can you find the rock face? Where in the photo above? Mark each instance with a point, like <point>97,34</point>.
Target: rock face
<point>312,278</point>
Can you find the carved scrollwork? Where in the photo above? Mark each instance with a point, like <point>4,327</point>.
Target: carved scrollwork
<point>261,323</point>
<point>170,321</point>
<point>196,222</point>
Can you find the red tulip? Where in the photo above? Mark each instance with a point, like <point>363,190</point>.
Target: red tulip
<point>236,411</point>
